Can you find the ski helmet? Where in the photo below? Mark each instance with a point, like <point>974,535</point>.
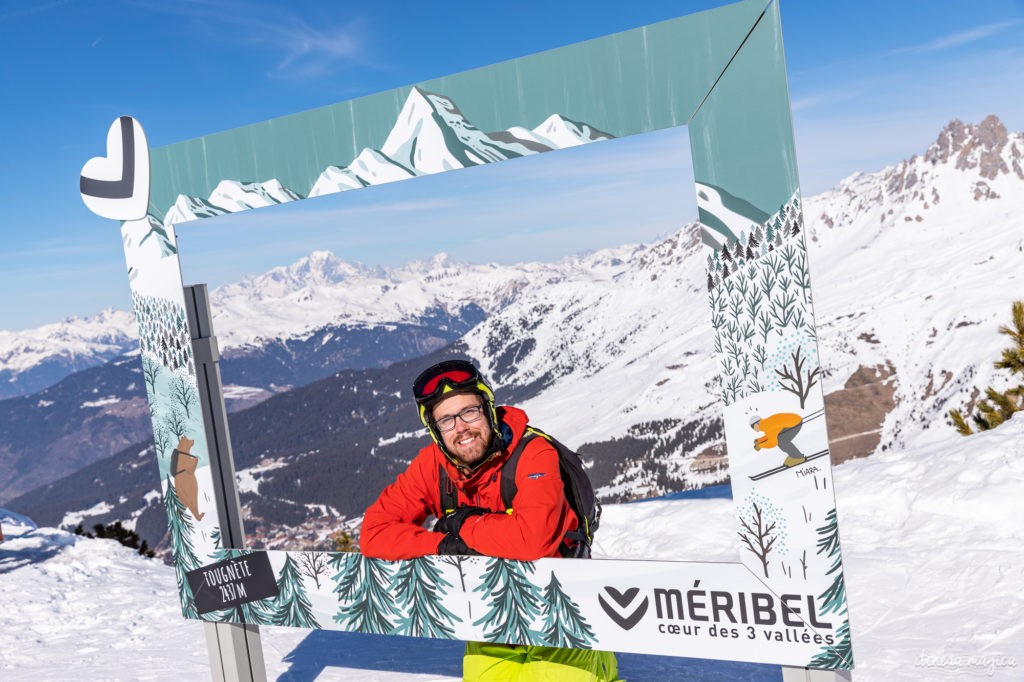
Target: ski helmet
<point>449,378</point>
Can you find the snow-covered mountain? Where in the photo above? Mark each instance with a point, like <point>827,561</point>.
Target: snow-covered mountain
<point>33,359</point>
<point>430,135</point>
<point>914,268</point>
<point>319,290</point>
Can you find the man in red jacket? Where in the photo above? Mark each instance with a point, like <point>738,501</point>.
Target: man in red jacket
<point>472,440</point>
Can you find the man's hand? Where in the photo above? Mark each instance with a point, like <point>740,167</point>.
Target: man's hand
<point>452,544</point>
<point>452,523</point>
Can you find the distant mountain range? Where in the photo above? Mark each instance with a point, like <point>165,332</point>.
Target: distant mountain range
<point>913,270</point>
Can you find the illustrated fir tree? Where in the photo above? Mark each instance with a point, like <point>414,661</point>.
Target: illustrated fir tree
<point>833,600</point>
<point>419,587</point>
<point>999,406</point>
<point>726,254</point>
<point>514,601</point>
<point>220,553</point>
<point>182,552</point>
<point>371,608</point>
<point>346,575</point>
<point>564,626</point>
<point>292,607</point>
<point>260,612</point>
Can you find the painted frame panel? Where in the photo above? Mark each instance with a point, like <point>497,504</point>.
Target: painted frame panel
<point>722,72</point>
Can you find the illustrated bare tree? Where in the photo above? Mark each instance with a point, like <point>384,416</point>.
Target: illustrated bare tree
<point>798,382</point>
<point>162,438</point>
<point>314,565</point>
<point>184,392</point>
<point>150,370</point>
<point>758,535</point>
<point>176,423</point>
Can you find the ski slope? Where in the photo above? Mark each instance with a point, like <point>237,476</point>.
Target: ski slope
<point>933,552</point>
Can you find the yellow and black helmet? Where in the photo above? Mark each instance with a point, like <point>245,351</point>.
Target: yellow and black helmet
<point>446,378</point>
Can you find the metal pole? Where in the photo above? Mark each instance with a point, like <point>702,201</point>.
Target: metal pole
<point>236,654</point>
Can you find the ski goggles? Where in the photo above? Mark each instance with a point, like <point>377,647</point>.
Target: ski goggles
<point>444,377</point>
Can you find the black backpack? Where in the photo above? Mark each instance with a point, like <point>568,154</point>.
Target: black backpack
<point>578,492</point>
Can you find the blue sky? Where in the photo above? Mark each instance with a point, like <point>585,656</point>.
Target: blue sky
<point>871,83</point>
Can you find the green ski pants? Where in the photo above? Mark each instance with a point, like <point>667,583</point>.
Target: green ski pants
<point>487,662</point>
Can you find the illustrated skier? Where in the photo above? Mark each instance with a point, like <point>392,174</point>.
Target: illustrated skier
<point>779,431</point>
<point>472,440</point>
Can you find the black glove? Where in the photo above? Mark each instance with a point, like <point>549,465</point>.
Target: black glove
<point>452,544</point>
<point>452,523</point>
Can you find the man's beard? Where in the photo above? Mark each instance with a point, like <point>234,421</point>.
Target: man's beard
<point>475,450</point>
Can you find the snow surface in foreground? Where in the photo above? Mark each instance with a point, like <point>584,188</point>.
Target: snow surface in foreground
<point>932,543</point>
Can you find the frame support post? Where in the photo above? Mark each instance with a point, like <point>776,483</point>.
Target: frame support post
<point>813,675</point>
<point>236,653</point>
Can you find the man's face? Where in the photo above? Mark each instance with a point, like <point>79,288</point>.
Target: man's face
<point>466,442</point>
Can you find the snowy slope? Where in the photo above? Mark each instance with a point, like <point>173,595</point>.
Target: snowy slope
<point>918,265</point>
<point>931,549</point>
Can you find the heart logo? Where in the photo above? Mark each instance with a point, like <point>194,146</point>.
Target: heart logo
<point>622,600</point>
<point>116,186</point>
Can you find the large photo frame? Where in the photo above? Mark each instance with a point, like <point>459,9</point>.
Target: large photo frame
<point>722,74</point>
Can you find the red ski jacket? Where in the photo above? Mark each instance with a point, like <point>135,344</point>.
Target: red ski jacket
<point>534,528</point>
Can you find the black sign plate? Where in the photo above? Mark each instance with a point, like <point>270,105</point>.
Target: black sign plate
<point>232,582</point>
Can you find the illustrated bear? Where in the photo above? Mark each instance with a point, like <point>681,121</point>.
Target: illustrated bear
<point>183,466</point>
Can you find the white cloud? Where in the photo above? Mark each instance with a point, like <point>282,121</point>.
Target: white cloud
<point>956,39</point>
<point>301,49</point>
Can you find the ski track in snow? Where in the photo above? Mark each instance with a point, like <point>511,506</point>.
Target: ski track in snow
<point>933,557</point>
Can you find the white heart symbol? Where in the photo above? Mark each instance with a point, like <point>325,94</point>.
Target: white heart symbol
<point>116,186</point>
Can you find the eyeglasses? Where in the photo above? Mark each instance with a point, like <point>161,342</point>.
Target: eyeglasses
<point>468,416</point>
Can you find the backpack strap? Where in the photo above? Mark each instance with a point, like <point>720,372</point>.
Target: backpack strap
<point>508,469</point>
<point>449,496</point>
